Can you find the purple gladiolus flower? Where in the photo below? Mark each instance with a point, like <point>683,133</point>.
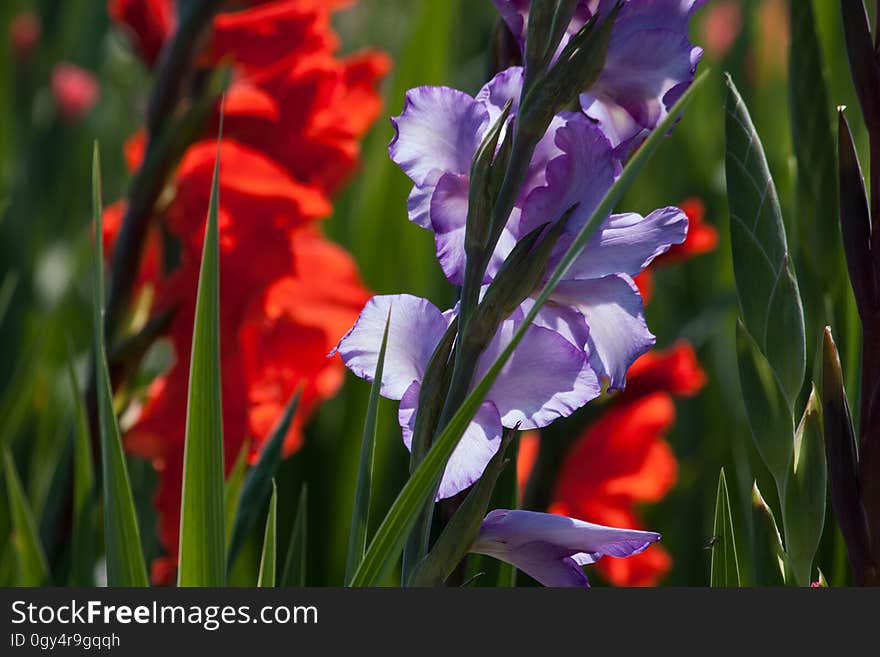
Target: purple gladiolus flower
<point>649,64</point>
<point>597,307</point>
<point>552,548</point>
<point>546,378</point>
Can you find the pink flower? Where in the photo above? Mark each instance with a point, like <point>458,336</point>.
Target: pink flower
<point>24,33</point>
<point>75,91</point>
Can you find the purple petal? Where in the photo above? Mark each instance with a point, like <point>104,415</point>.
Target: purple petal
<point>415,328</point>
<point>549,547</point>
<point>547,377</point>
<point>506,85</point>
<point>543,563</point>
<point>567,321</point>
<point>627,243</point>
<point>649,55</point>
<point>516,14</point>
<point>437,132</point>
<point>449,207</point>
<point>418,205</point>
<point>615,316</point>
<point>477,446</point>
<point>582,174</point>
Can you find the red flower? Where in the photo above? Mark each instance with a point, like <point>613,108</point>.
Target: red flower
<point>622,459</point>
<point>148,22</point>
<point>293,118</point>
<point>75,91</point>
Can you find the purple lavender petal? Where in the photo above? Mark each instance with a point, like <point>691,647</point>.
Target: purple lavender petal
<point>504,86</point>
<point>627,243</point>
<point>564,320</point>
<point>544,563</point>
<point>438,131</point>
<point>649,55</point>
<point>449,206</point>
<point>415,329</point>
<point>582,174</point>
<point>550,547</point>
<point>615,316</point>
<point>418,205</point>
<point>547,377</point>
<point>478,444</point>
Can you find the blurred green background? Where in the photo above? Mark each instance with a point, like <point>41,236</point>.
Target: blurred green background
<point>44,255</point>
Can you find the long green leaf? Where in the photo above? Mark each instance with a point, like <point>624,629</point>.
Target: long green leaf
<point>360,515</point>
<point>765,282</point>
<point>295,563</point>
<point>391,535</point>
<point>258,481</point>
<point>725,565</point>
<point>267,561</point>
<point>125,557</point>
<point>814,147</point>
<point>202,535</point>
<point>767,409</point>
<point>83,536</point>
<point>32,567</point>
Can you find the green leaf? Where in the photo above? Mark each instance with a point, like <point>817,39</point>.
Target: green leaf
<point>83,535</point>
<point>725,566</point>
<point>202,534</point>
<point>267,561</point>
<point>125,557</point>
<point>766,286</point>
<point>295,563</point>
<point>814,147</point>
<point>389,538</point>
<point>804,508</point>
<point>360,515</point>
<point>258,481</point>
<point>232,490</point>
<point>767,408</point>
<point>32,567</point>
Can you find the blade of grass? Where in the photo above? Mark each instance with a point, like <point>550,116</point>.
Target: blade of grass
<point>202,534</point>
<point>391,535</point>
<point>32,567</point>
<point>266,577</point>
<point>83,535</point>
<point>295,563</point>
<point>725,565</point>
<point>360,515</point>
<point>258,481</point>
<point>125,558</point>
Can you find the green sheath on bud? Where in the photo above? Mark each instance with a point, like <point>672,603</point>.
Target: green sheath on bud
<point>804,510</point>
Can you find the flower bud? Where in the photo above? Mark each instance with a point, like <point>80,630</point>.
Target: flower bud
<point>75,91</point>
